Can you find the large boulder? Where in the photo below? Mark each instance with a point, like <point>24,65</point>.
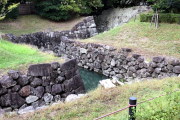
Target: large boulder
<point>25,91</point>
<point>7,82</point>
<point>23,80</point>
<point>40,70</point>
<point>73,97</point>
<point>158,59</point>
<point>176,69</point>
<point>16,88</point>
<point>48,98</point>
<point>71,64</point>
<point>31,99</point>
<point>70,73</point>
<point>107,83</point>
<point>56,89</point>
<point>16,100</point>
<point>39,91</point>
<point>73,84</point>
<point>13,74</point>
<point>36,82</point>
<point>5,100</point>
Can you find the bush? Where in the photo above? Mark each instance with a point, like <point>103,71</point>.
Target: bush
<point>163,17</point>
<point>13,14</point>
<point>57,10</point>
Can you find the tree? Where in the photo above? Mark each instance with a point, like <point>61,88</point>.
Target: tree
<point>57,9</point>
<point>166,5</point>
<point>6,6</point>
<point>90,6</point>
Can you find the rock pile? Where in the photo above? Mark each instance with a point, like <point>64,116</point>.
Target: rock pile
<point>43,84</point>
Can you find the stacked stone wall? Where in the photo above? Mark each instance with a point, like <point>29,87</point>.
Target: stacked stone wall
<point>84,29</point>
<point>43,84</point>
<point>104,59</point>
<point>123,63</point>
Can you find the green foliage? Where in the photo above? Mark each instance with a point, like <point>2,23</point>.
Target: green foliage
<point>120,3</point>
<point>90,6</point>
<point>167,6</point>
<point>163,17</point>
<point>57,10</point>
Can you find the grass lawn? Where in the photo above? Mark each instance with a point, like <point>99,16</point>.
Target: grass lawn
<point>143,38</point>
<point>101,101</point>
<point>33,23</point>
<point>16,56</point>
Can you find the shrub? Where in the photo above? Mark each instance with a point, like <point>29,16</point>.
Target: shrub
<point>57,10</point>
<point>163,17</point>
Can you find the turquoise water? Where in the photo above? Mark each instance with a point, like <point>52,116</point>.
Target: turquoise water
<point>91,79</point>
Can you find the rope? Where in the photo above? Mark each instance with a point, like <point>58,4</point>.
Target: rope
<point>157,97</point>
<point>111,113</point>
<point>133,105</point>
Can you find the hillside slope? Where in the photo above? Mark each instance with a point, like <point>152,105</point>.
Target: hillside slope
<point>33,23</point>
<point>143,38</point>
<point>16,56</point>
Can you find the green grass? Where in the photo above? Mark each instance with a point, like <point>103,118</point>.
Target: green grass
<point>14,56</point>
<point>143,38</point>
<point>33,23</point>
<point>101,101</point>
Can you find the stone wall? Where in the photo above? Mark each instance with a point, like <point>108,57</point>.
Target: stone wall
<point>42,85</point>
<point>123,63</point>
<point>117,16</point>
<point>82,30</point>
<point>120,63</point>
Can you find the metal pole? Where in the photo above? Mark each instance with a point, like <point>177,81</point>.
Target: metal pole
<point>132,108</point>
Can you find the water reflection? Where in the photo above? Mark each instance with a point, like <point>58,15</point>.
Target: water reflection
<point>91,79</point>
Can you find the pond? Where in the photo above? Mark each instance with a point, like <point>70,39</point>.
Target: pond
<point>90,78</point>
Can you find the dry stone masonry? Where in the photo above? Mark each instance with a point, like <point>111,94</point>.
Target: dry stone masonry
<point>82,30</point>
<point>112,62</point>
<point>103,58</point>
<point>43,84</point>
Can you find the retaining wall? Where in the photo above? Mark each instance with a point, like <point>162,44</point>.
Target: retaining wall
<point>42,85</point>
<point>123,63</point>
<point>82,30</point>
<point>117,16</point>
